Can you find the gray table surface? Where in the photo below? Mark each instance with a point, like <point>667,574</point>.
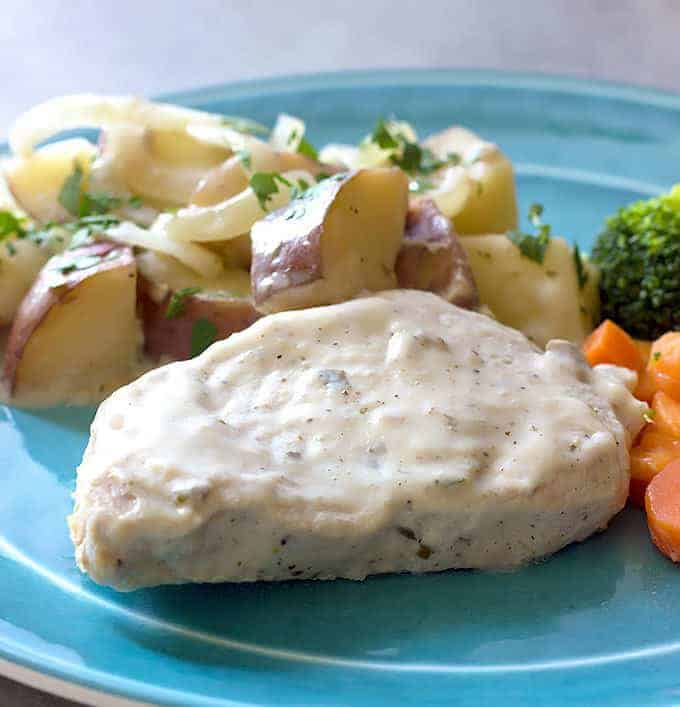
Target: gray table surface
<point>50,47</point>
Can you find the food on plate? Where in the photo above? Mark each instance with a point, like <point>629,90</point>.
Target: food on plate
<point>182,313</point>
<point>394,432</point>
<point>331,243</point>
<point>431,257</point>
<point>638,254</point>
<point>609,343</point>
<point>662,503</point>
<point>545,289</point>
<point>470,180</point>
<point>36,181</point>
<point>206,204</point>
<point>76,329</point>
<point>491,204</point>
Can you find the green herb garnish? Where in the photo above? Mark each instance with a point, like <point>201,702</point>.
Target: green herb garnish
<point>203,333</point>
<point>299,188</point>
<point>532,246</point>
<point>307,149</point>
<point>656,356</point>
<point>71,191</point>
<point>11,225</point>
<point>135,202</point>
<point>382,136</point>
<point>81,203</point>
<point>246,158</point>
<point>265,185</point>
<point>581,272</point>
<point>177,304</point>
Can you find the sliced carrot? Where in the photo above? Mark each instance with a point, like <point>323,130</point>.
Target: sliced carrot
<point>662,503</point>
<point>665,356</point>
<point>646,386</point>
<point>609,343</point>
<point>669,385</point>
<point>645,348</point>
<point>652,453</point>
<point>666,414</point>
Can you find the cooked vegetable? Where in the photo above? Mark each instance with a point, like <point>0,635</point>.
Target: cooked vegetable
<point>652,452</point>
<point>432,258</point>
<point>491,204</point>
<point>541,300</point>
<point>235,216</point>
<point>76,326</point>
<point>638,254</point>
<point>662,503</point>
<point>666,417</point>
<point>93,111</point>
<point>610,344</point>
<point>19,266</point>
<point>335,240</point>
<point>172,299</point>
<point>37,181</point>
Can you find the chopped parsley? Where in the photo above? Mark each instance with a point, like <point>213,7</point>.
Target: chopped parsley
<point>135,202</point>
<point>79,202</point>
<point>581,272</point>
<point>648,415</point>
<point>382,136</point>
<point>532,246</point>
<point>203,334</point>
<point>299,188</point>
<point>656,356</point>
<point>10,248</point>
<point>265,185</point>
<point>82,262</point>
<point>244,125</point>
<point>71,190</point>
<point>11,225</point>
<point>307,149</point>
<point>246,158</point>
<point>177,304</point>
<point>407,155</point>
<point>321,176</point>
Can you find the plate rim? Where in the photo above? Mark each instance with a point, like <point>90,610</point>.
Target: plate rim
<point>82,683</point>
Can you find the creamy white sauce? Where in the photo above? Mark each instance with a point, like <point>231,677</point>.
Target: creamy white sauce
<point>390,433</point>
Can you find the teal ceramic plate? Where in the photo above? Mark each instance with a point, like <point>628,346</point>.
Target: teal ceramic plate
<point>597,624</point>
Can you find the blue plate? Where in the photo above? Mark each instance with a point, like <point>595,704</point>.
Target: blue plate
<point>597,624</point>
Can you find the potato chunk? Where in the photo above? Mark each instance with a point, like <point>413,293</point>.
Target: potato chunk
<point>224,302</point>
<point>337,239</point>
<point>35,181</point>
<point>542,300</point>
<point>431,257</point>
<point>75,334</point>
<point>491,204</point>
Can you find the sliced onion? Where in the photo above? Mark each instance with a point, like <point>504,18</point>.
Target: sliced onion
<point>95,111</point>
<point>196,257</point>
<point>341,155</point>
<point>231,218</point>
<point>453,191</point>
<point>287,133</point>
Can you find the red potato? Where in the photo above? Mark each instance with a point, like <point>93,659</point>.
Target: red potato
<point>75,332</point>
<point>224,302</point>
<point>171,337</point>
<point>36,181</point>
<point>431,257</point>
<point>338,239</point>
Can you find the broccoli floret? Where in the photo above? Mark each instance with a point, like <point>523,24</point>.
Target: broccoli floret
<point>638,254</point>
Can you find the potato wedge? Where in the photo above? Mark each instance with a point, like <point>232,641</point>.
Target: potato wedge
<point>75,334</point>
<point>431,257</point>
<point>491,205</point>
<point>19,266</point>
<point>35,181</point>
<point>224,302</point>
<point>541,300</point>
<point>339,238</point>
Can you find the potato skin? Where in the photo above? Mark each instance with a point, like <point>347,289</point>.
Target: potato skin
<point>431,257</point>
<point>165,337</point>
<point>44,294</point>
